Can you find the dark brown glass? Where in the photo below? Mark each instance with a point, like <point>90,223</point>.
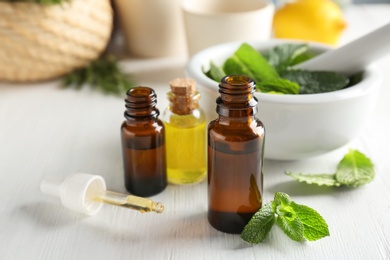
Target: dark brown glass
<point>235,156</point>
<point>143,144</point>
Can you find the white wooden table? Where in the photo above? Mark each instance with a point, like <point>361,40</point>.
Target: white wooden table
<point>47,130</point>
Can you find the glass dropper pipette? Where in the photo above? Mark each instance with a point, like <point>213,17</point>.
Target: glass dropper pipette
<point>129,201</point>
<point>86,193</point>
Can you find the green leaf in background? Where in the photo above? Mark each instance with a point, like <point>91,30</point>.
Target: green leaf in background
<point>248,61</point>
<point>312,82</point>
<point>251,60</point>
<point>319,179</point>
<point>274,72</point>
<point>103,74</point>
<point>208,74</point>
<point>355,79</point>
<point>315,226</point>
<point>216,73</point>
<point>286,55</point>
<point>234,66</point>
<point>301,58</point>
<point>260,225</point>
<point>355,169</point>
<point>279,86</point>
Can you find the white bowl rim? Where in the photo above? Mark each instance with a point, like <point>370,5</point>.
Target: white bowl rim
<point>187,6</point>
<point>372,75</point>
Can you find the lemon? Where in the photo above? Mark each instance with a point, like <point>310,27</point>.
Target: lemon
<point>312,20</point>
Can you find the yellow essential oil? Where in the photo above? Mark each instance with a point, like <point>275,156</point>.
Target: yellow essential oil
<point>186,152</point>
<point>185,134</point>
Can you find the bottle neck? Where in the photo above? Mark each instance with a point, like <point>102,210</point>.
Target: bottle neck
<point>236,97</point>
<point>140,104</point>
<point>183,104</point>
<point>237,121</point>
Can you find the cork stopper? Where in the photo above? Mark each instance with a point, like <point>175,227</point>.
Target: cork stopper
<point>183,86</point>
<point>183,96</point>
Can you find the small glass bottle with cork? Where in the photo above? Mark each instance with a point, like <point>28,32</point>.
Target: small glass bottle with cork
<point>185,124</point>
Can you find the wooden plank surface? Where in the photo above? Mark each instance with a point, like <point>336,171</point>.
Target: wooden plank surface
<point>47,130</point>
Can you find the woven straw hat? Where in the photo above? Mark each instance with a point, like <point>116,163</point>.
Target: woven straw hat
<point>39,42</point>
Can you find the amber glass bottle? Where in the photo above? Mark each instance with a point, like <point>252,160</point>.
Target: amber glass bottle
<point>235,156</point>
<point>185,124</point>
<point>143,144</point>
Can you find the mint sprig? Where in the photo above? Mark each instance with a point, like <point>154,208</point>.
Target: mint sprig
<point>354,170</point>
<point>297,221</point>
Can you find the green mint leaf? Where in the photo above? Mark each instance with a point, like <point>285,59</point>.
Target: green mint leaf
<point>315,226</point>
<point>294,228</point>
<point>355,79</point>
<point>355,169</point>
<point>301,58</point>
<point>260,225</point>
<point>235,66</point>
<point>208,74</point>
<point>312,82</point>
<point>279,85</point>
<point>280,198</point>
<point>281,206</point>
<point>215,73</point>
<point>286,211</point>
<point>248,61</point>
<point>319,179</point>
<point>285,55</point>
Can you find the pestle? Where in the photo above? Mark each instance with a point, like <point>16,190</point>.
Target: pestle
<point>354,56</point>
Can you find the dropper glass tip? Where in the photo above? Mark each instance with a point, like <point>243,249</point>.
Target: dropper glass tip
<point>158,207</point>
